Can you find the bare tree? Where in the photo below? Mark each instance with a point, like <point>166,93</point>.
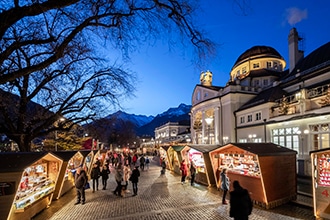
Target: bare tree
<point>49,54</point>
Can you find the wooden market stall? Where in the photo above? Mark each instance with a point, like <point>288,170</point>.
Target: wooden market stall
<point>266,170</point>
<point>176,153</point>
<point>71,160</point>
<point>87,161</point>
<point>321,182</point>
<point>163,155</point>
<point>27,183</point>
<point>199,155</point>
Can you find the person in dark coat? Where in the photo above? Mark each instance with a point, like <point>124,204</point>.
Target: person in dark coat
<point>240,203</point>
<point>105,176</point>
<point>80,182</point>
<point>225,183</point>
<point>135,179</point>
<point>192,173</point>
<point>95,175</point>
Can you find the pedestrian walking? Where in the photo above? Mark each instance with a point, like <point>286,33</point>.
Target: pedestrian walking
<point>184,171</point>
<point>105,176</point>
<point>240,202</point>
<point>135,179</point>
<point>147,163</point>
<point>192,173</point>
<point>95,175</point>
<point>163,164</point>
<point>80,182</point>
<point>127,174</point>
<point>142,161</point>
<point>225,182</point>
<point>119,179</point>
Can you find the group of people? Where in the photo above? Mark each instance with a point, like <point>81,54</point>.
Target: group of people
<point>240,202</point>
<point>123,174</point>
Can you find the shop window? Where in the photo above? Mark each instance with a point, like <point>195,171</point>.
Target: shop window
<point>243,140</point>
<point>287,137</point>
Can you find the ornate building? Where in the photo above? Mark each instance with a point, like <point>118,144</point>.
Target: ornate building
<point>264,102</point>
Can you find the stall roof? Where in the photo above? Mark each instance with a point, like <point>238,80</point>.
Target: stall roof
<point>319,150</point>
<point>262,149</point>
<point>178,148</point>
<point>165,147</point>
<point>84,152</point>
<point>18,161</point>
<point>204,148</point>
<point>64,155</point>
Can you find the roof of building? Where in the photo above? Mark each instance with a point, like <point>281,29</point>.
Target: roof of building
<point>260,51</point>
<point>268,95</point>
<point>317,59</point>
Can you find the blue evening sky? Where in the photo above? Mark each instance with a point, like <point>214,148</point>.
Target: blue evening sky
<point>167,78</point>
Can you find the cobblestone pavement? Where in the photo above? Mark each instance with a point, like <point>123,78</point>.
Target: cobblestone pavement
<point>160,197</point>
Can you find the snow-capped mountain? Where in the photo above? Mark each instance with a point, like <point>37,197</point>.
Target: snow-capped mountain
<point>137,120</point>
<point>143,125</point>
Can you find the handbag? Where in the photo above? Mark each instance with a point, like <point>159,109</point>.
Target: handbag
<point>87,186</point>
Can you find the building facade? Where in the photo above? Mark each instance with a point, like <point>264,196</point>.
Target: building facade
<point>172,132</point>
<point>263,101</point>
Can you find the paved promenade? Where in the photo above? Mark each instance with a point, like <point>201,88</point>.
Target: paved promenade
<point>160,197</point>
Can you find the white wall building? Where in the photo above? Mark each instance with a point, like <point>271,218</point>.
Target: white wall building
<point>264,102</point>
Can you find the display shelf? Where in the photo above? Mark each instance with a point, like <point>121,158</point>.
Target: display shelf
<point>243,164</point>
<point>32,196</point>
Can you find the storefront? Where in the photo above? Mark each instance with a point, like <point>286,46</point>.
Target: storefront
<point>71,160</point>
<point>27,183</point>
<point>266,170</point>
<point>321,182</point>
<point>199,155</point>
<point>175,156</point>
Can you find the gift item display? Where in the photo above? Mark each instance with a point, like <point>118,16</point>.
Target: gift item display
<point>245,164</point>
<point>321,182</point>
<point>323,163</point>
<point>35,184</point>
<point>197,158</point>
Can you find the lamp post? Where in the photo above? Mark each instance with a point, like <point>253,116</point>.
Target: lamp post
<point>225,139</point>
<point>208,122</point>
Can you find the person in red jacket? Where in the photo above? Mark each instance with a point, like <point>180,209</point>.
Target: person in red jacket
<point>184,171</point>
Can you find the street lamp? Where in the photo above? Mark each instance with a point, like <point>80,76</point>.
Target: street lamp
<point>225,139</point>
<point>208,122</point>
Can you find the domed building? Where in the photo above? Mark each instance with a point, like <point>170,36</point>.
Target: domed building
<point>263,102</point>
